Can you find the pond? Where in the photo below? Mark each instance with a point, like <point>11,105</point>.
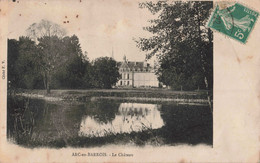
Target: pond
<point>39,123</point>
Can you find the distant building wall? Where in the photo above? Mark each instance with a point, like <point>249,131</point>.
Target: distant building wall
<point>145,79</point>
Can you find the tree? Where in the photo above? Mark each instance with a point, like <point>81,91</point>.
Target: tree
<point>49,35</point>
<point>28,64</point>
<point>45,28</point>
<point>52,57</point>
<point>13,53</point>
<point>181,41</point>
<point>104,72</point>
<point>23,64</point>
<point>76,72</point>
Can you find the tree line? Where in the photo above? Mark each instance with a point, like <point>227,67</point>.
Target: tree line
<point>57,63</point>
<point>181,42</point>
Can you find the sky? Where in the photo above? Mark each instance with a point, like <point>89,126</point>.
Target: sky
<point>101,25</point>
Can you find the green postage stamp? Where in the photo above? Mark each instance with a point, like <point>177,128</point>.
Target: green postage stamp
<point>235,21</point>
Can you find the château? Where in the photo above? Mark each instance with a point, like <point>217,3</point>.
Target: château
<point>136,74</point>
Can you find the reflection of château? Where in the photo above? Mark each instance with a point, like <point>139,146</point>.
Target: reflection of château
<point>137,109</point>
<point>129,118</point>
<point>136,74</point>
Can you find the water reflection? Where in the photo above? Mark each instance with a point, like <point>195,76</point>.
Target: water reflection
<point>34,123</point>
<point>129,117</point>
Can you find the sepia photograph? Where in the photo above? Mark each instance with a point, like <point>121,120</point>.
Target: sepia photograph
<point>111,84</point>
<point>106,79</point>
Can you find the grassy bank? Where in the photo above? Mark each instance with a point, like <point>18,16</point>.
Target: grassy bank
<point>144,94</point>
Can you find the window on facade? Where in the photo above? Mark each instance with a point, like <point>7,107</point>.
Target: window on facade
<point>127,82</point>
<point>127,76</point>
<point>121,83</point>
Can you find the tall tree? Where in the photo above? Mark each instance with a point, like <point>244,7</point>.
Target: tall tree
<point>75,73</point>
<point>181,41</point>
<point>49,36</point>
<point>104,72</point>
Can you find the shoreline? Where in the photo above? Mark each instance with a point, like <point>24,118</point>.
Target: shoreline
<point>191,97</point>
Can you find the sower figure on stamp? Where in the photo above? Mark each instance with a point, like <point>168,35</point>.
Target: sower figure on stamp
<point>230,21</point>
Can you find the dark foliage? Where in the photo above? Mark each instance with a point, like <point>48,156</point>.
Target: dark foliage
<point>56,63</point>
<point>105,72</point>
<point>23,64</point>
<point>182,43</point>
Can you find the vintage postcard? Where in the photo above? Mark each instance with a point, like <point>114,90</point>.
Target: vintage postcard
<point>129,81</point>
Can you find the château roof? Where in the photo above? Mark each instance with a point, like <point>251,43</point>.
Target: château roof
<point>134,65</point>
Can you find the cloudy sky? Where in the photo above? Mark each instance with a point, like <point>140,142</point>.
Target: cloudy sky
<point>100,24</point>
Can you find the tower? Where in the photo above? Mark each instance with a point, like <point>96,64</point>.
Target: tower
<point>124,58</point>
<point>112,55</point>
